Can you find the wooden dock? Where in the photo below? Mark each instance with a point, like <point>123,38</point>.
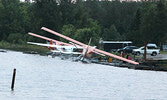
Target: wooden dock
<point>154,65</point>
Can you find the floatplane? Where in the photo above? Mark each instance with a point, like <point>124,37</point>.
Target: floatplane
<point>58,47</point>
<point>87,49</point>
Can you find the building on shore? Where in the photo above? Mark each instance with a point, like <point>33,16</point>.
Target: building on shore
<point>114,45</point>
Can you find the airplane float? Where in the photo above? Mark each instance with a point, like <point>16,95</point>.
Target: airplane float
<point>87,49</point>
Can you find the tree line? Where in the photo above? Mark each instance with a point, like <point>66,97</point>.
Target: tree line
<point>80,19</point>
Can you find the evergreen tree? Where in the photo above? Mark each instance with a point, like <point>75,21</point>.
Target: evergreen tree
<point>91,31</point>
<point>68,30</point>
<point>11,18</point>
<point>160,23</point>
<point>66,8</point>
<point>111,34</point>
<point>134,32</point>
<point>45,13</point>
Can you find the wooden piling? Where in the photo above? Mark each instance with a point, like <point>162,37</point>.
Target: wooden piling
<point>13,79</point>
<point>145,51</point>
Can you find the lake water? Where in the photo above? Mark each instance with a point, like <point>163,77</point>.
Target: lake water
<point>44,78</point>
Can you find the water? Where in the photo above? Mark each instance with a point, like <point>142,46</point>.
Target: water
<point>43,78</point>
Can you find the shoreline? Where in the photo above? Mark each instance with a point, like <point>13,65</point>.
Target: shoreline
<point>23,47</point>
<point>158,65</point>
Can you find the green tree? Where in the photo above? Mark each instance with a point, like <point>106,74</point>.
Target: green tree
<point>134,32</point>
<point>80,19</point>
<point>95,10</point>
<point>160,23</point>
<point>15,38</point>
<point>68,30</point>
<point>26,16</point>
<point>11,18</point>
<point>45,13</point>
<point>66,8</point>
<point>83,35</point>
<point>153,25</point>
<point>91,31</point>
<point>111,34</point>
<point>137,21</point>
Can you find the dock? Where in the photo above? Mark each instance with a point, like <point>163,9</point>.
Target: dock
<point>158,63</point>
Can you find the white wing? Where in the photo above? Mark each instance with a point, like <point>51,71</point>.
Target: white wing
<point>48,45</point>
<point>76,53</point>
<point>55,46</point>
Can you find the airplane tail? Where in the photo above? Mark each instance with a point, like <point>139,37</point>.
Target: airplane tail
<point>51,43</point>
<point>86,53</point>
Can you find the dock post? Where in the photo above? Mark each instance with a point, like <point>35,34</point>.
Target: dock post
<point>13,79</point>
<point>145,51</point>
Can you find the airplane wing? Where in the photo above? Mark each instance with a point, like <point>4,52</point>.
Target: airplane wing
<point>55,51</point>
<point>42,44</point>
<point>65,37</point>
<point>76,53</point>
<point>49,39</point>
<point>55,46</point>
<point>115,56</point>
<point>47,45</point>
<point>99,53</point>
<point>84,45</point>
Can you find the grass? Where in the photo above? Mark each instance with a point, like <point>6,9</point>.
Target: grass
<point>163,52</point>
